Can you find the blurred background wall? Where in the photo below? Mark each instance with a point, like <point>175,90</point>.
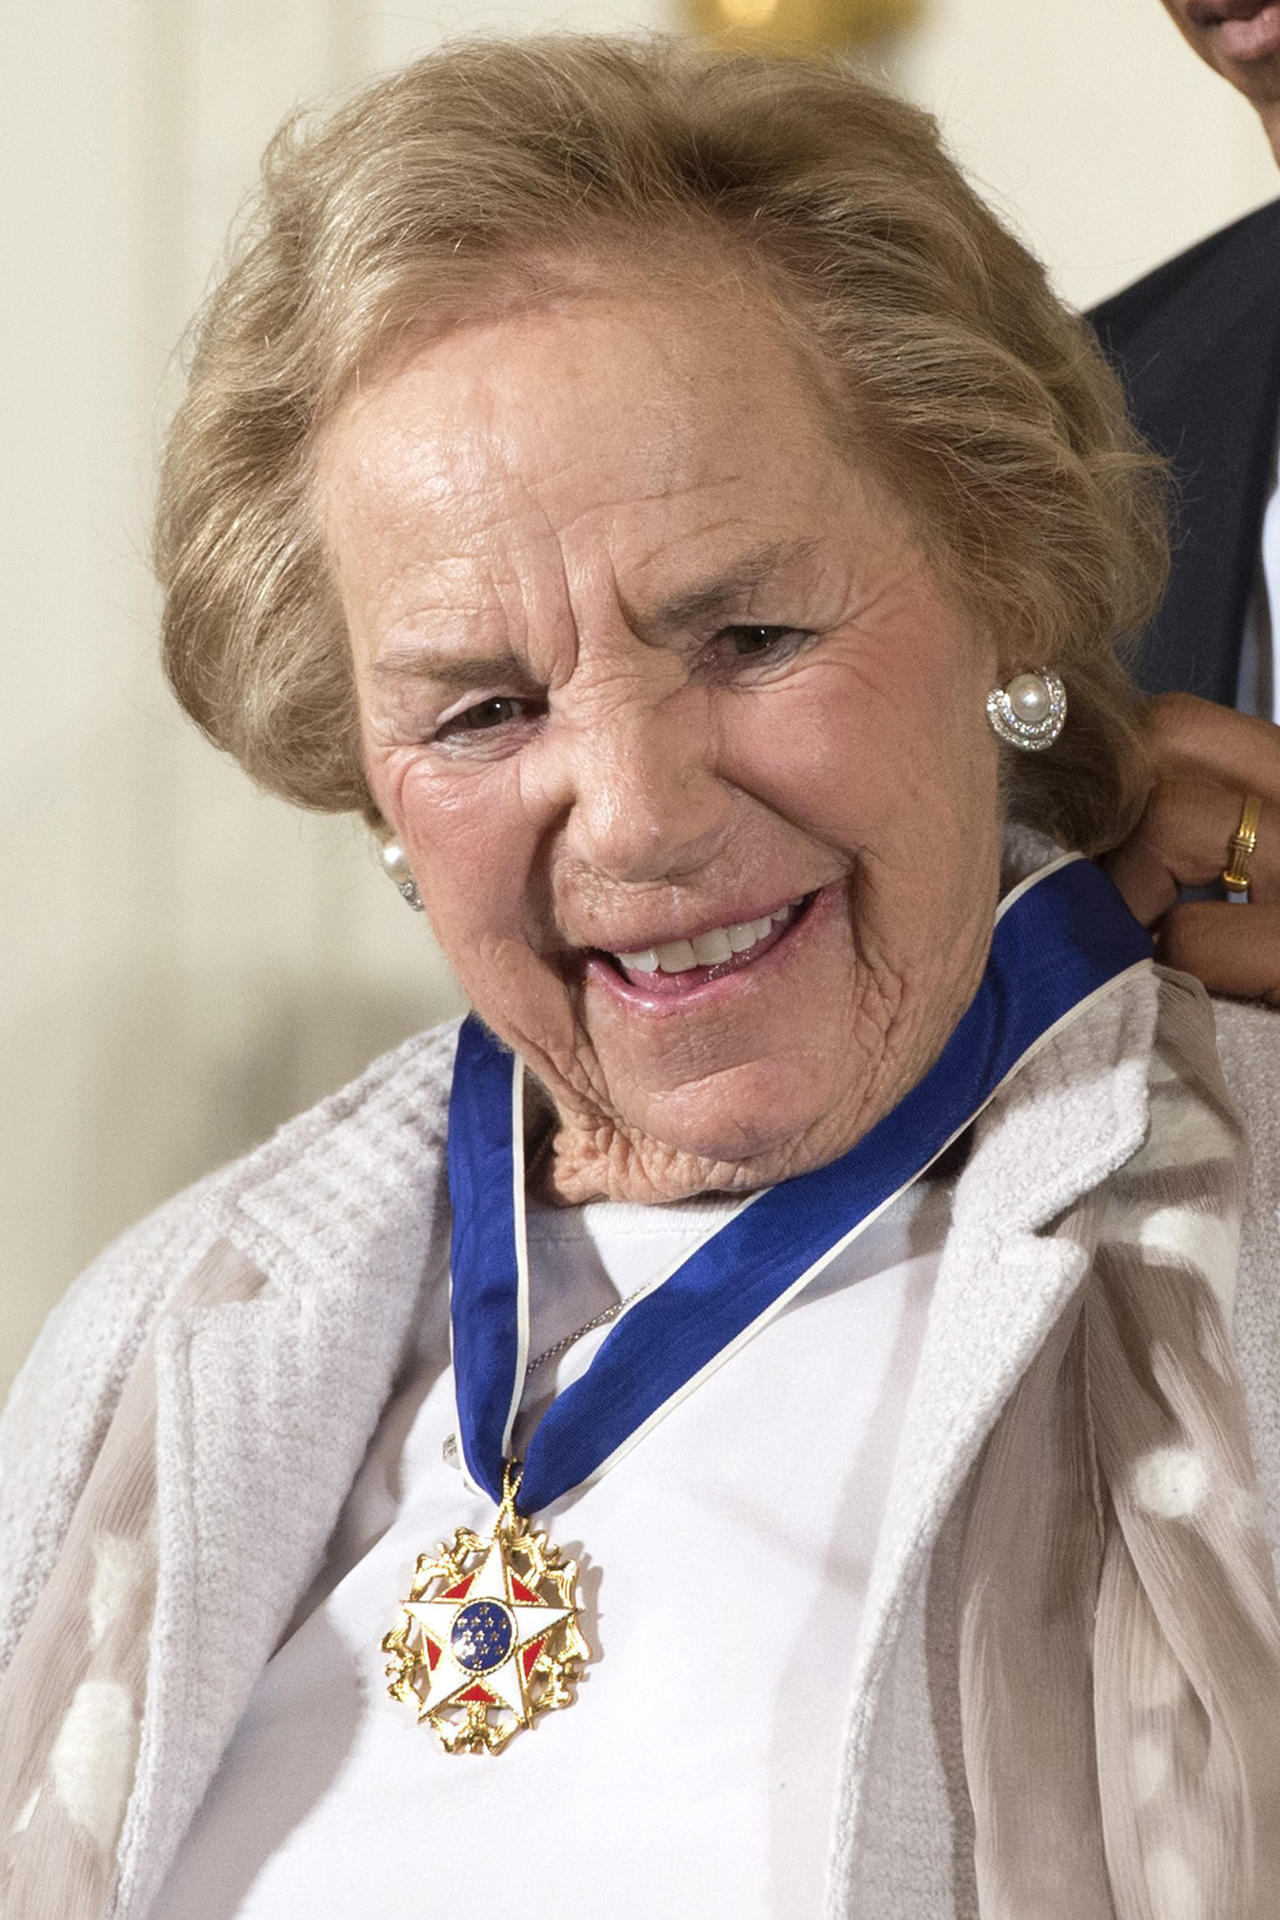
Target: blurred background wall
<point>186,962</point>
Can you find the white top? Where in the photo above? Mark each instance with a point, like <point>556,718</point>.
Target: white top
<point>1258,689</point>
<point>724,1565</point>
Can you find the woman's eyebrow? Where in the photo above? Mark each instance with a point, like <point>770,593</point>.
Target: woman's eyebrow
<point>449,669</point>
<point>725,591</point>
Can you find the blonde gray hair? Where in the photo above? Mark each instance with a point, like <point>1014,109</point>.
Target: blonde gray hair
<point>985,405</point>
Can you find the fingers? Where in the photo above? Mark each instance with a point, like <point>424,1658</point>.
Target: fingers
<point>1206,759</point>
<point>1184,840</point>
<point>1197,738</point>
<point>1234,950</point>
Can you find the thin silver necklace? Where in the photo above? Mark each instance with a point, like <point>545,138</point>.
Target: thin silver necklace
<point>536,1166</point>
<point>558,1347</point>
<point>451,1452</point>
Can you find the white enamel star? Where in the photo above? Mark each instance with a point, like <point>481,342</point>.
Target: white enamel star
<point>505,1680</point>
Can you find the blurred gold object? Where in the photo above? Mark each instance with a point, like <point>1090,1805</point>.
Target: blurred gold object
<point>800,23</point>
<point>1244,841</point>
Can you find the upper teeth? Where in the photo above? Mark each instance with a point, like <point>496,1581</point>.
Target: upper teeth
<point>705,949</point>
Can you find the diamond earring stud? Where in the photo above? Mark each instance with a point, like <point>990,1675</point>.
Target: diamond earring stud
<point>1029,712</point>
<point>400,874</point>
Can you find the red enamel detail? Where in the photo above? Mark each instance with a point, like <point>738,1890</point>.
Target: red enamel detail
<point>432,1652</point>
<point>477,1694</point>
<point>459,1592</point>
<point>530,1654</point>
<point>522,1592</point>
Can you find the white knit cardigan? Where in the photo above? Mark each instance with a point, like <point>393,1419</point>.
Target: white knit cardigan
<point>265,1407</point>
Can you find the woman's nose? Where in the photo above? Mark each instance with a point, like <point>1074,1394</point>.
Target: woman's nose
<point>640,795</point>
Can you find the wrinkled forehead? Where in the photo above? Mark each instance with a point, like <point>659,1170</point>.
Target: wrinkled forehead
<point>615,433</point>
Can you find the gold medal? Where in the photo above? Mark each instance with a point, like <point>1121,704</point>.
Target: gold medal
<point>489,1636</point>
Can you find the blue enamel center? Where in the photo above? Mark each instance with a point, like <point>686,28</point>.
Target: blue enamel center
<point>482,1635</point>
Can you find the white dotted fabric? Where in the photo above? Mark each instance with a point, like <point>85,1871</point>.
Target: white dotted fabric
<point>1120,1635</point>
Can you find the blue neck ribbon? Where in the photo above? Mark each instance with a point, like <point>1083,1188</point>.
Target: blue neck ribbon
<point>1060,939</point>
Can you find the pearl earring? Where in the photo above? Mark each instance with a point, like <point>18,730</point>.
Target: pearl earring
<point>400,873</point>
<point>1030,711</point>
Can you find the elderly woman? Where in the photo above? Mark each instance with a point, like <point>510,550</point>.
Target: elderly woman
<point>789,1325</point>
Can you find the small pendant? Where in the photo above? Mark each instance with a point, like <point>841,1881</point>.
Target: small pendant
<point>489,1636</point>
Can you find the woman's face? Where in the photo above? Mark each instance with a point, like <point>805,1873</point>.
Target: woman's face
<point>647,667</point>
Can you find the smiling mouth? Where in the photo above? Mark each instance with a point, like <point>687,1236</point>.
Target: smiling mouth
<point>677,966</point>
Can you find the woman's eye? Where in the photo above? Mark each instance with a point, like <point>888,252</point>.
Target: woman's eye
<point>490,713</point>
<point>485,715</point>
<point>750,643</point>
<point>748,640</point>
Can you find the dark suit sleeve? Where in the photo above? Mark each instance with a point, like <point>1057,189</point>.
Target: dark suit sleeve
<point>1197,344</point>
